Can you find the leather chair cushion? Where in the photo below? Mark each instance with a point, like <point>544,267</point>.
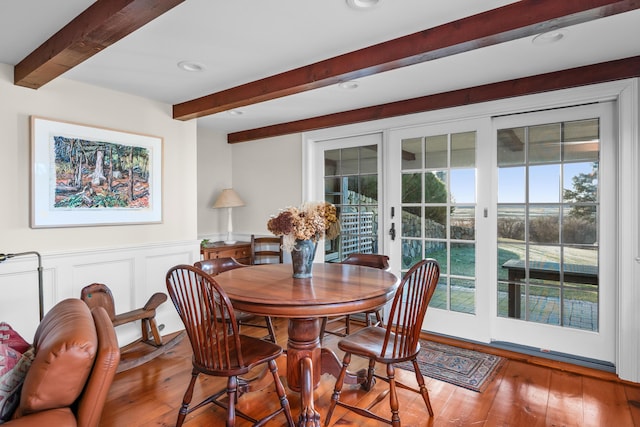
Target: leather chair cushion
<point>65,345</point>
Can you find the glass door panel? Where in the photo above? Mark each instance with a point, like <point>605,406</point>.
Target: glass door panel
<point>351,184</point>
<point>438,213</point>
<point>547,269</point>
<point>553,236</point>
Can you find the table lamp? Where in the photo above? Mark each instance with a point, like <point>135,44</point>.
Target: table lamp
<point>228,199</point>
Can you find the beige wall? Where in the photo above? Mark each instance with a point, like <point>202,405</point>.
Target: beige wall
<point>67,100</point>
<point>267,174</point>
<point>214,175</point>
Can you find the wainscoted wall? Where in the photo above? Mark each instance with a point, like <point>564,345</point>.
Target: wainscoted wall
<point>133,274</point>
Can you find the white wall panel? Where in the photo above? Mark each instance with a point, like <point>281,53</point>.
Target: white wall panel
<point>132,273</point>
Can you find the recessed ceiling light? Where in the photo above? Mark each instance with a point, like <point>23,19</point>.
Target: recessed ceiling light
<point>548,37</point>
<point>350,85</point>
<point>362,4</point>
<point>191,66</point>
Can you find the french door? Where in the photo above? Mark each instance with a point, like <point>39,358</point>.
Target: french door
<point>555,204</point>
<point>518,210</point>
<point>436,186</point>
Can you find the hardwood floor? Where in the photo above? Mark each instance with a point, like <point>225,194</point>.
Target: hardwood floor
<point>526,392</point>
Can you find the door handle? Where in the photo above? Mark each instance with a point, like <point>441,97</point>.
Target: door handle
<point>392,231</point>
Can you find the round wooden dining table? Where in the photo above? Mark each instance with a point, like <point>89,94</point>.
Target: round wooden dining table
<point>334,289</point>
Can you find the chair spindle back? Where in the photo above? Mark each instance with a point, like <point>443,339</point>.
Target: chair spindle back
<point>409,308</point>
<point>208,317</point>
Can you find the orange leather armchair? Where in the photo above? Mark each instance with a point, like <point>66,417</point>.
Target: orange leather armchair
<point>76,356</point>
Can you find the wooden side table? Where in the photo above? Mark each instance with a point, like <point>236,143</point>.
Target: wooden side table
<point>241,251</point>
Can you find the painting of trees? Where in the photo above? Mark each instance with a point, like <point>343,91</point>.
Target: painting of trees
<point>100,174</point>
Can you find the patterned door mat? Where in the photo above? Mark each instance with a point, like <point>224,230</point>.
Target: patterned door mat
<point>465,368</point>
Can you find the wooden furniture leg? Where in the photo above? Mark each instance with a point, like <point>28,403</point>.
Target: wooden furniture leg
<point>307,361</point>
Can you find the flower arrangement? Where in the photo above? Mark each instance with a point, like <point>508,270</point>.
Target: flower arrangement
<point>311,221</point>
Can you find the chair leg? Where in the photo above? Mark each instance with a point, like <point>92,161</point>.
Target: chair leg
<point>232,392</point>
<point>423,389</point>
<point>393,396</point>
<point>323,326</point>
<point>369,383</point>
<point>338,388</point>
<point>188,395</point>
<point>347,323</point>
<point>272,334</point>
<point>284,403</point>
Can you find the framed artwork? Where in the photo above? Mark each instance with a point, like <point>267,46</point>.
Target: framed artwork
<point>86,176</point>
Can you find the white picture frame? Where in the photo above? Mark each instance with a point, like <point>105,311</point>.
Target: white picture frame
<point>87,176</point>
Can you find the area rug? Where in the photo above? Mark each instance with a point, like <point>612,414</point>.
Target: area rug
<point>465,368</point>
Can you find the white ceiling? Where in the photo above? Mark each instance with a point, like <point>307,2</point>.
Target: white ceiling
<point>239,41</point>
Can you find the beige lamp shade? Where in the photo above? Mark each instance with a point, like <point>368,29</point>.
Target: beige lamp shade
<point>228,199</point>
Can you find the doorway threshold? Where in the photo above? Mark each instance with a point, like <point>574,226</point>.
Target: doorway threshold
<point>600,365</point>
<point>565,362</point>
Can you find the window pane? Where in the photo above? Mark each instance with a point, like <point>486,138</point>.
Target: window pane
<point>463,259</point>
<point>411,188</point>
<point>510,258</point>
<point>582,140</point>
<point>463,185</point>
<point>463,223</point>
<point>435,222</point>
<point>436,152</point>
<point>580,225</point>
<point>543,304</point>
<point>411,223</point>
<point>369,189</point>
<point>544,143</point>
<point>511,147</point>
<point>368,159</point>
<point>544,184</point>
<point>463,149</point>
<point>544,256</point>
<point>411,252</point>
<point>583,259</point>
<point>463,293</point>
<point>544,224</point>
<point>511,222</point>
<point>412,153</point>
<point>511,185</point>
<point>352,196</point>
<point>580,307</point>
<point>349,161</point>
<point>331,162</point>
<point>580,182</point>
<point>435,187</point>
<point>332,190</point>
<point>439,298</point>
<point>437,251</point>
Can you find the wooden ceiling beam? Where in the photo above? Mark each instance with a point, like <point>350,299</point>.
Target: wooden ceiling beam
<point>99,26</point>
<point>520,19</point>
<point>581,76</point>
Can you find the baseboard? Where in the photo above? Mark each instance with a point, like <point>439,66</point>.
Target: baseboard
<point>586,367</point>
